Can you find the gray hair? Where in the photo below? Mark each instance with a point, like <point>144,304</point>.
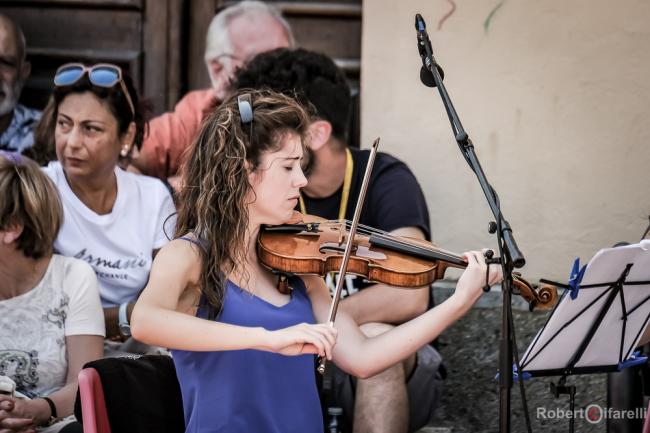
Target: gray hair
<point>218,40</point>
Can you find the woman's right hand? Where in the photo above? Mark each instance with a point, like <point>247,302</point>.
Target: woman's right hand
<point>303,339</point>
<point>9,423</point>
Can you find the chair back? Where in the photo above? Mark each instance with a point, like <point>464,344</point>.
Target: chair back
<point>139,395</point>
<point>93,406</point>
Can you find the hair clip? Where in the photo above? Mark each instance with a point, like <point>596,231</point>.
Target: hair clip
<point>245,108</point>
<point>15,157</point>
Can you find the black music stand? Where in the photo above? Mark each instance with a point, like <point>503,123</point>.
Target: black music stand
<point>598,321</point>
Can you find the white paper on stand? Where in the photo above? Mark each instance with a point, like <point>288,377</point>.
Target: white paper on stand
<point>557,343</point>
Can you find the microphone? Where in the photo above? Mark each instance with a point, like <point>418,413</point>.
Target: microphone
<point>426,76</point>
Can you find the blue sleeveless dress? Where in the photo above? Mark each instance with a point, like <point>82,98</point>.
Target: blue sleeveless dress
<point>251,391</point>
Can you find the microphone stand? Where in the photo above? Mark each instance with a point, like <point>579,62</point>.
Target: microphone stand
<point>510,255</point>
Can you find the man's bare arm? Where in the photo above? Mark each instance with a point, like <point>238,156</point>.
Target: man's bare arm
<point>386,304</point>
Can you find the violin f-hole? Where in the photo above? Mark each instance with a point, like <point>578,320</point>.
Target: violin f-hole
<point>331,247</point>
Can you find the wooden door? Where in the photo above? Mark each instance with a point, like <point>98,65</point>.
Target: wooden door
<point>142,36</point>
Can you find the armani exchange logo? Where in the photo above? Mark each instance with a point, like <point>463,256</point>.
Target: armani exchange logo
<point>114,264</point>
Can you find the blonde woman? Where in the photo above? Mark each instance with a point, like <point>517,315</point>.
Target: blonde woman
<point>51,320</point>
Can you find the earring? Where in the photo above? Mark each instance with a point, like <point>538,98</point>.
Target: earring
<point>125,151</point>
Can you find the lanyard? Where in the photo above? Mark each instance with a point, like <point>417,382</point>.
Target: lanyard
<point>347,181</point>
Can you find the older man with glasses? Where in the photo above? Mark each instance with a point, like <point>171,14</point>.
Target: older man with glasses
<point>17,122</point>
<point>236,35</point>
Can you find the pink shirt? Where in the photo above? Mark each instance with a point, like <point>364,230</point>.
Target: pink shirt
<point>171,133</point>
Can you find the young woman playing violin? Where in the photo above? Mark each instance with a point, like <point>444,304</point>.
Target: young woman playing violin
<point>244,351</point>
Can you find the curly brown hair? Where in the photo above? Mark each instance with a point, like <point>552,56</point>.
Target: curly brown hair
<point>213,199</point>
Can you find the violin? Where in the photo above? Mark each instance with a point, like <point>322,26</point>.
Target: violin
<point>316,246</point>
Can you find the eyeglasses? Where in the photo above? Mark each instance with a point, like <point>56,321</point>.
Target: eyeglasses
<point>101,75</point>
<point>231,57</point>
<point>231,61</point>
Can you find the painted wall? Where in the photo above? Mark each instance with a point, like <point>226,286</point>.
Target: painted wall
<point>556,97</point>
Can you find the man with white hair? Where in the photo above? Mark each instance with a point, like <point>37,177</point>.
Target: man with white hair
<point>17,122</point>
<point>236,35</point>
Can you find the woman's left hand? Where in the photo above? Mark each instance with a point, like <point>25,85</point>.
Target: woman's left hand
<point>471,282</point>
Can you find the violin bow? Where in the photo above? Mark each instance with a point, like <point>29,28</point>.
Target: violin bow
<point>348,245</point>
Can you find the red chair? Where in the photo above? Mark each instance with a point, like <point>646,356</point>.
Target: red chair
<point>93,405</point>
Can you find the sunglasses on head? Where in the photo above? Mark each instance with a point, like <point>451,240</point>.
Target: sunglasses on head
<point>101,75</point>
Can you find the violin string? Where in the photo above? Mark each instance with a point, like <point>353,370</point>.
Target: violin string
<point>362,229</point>
<point>385,235</point>
<point>381,234</point>
<point>366,229</point>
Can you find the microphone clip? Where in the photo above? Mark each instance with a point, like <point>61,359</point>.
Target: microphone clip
<point>426,54</point>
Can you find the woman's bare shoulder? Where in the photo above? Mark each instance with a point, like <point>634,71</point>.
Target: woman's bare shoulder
<point>187,244</point>
<point>182,254</point>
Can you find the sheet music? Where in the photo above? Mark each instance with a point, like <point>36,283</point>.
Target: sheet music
<point>548,353</point>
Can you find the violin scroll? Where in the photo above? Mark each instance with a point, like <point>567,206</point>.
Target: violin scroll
<point>548,295</point>
<point>543,298</point>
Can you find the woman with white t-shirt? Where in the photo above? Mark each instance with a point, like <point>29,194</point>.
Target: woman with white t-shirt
<point>50,313</point>
<point>114,220</point>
